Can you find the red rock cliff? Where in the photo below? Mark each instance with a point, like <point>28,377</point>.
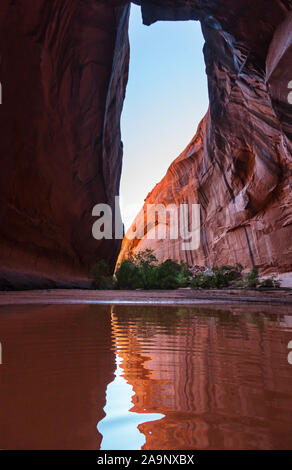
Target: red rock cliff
<point>238,165</point>
<point>63,73</point>
<point>64,67</point>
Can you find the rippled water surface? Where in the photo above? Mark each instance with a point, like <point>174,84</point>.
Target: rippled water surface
<point>132,377</point>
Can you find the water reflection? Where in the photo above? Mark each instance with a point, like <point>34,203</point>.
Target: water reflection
<point>221,378</point>
<point>120,426</point>
<point>184,378</point>
<point>57,363</point>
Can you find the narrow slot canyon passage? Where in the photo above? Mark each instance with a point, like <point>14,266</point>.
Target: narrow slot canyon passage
<point>166,98</point>
<point>177,341</point>
<point>63,95</point>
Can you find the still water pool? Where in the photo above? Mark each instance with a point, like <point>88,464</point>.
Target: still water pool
<point>137,377</point>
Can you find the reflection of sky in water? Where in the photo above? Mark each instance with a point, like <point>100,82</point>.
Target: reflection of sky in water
<point>119,428</point>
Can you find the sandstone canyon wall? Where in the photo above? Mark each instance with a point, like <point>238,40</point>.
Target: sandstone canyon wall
<point>64,66</point>
<point>238,165</point>
<point>63,71</point>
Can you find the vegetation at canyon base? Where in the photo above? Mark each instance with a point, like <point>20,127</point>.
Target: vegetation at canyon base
<point>142,271</point>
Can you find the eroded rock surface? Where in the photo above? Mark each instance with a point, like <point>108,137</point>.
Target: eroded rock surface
<point>64,68</point>
<point>63,72</point>
<point>238,165</point>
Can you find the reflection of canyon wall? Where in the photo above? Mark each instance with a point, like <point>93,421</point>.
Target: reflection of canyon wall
<point>57,363</point>
<point>238,165</point>
<point>220,378</point>
<point>63,72</point>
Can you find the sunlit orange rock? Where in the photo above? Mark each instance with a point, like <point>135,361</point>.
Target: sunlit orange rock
<point>238,165</point>
<point>61,151</point>
<point>63,70</point>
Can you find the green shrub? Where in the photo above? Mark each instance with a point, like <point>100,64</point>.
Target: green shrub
<point>252,278</point>
<point>217,278</point>
<point>148,276</point>
<point>270,282</point>
<point>203,281</point>
<point>142,271</point>
<point>101,276</point>
<point>221,280</point>
<point>168,275</point>
<point>230,273</point>
<point>127,276</point>
<point>185,275</point>
<point>183,280</point>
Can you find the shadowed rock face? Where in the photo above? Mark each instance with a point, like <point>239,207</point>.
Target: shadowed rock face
<point>64,70</point>
<point>238,165</point>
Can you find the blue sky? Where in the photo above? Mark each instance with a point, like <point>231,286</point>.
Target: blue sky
<point>166,99</point>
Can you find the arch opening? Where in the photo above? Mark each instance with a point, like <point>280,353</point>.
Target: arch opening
<point>166,98</point>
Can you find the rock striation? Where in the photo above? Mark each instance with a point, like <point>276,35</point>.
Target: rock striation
<point>63,71</point>
<point>64,67</point>
<point>238,165</point>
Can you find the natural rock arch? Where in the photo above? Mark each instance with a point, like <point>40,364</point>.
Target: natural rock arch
<point>61,147</point>
<point>238,164</point>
